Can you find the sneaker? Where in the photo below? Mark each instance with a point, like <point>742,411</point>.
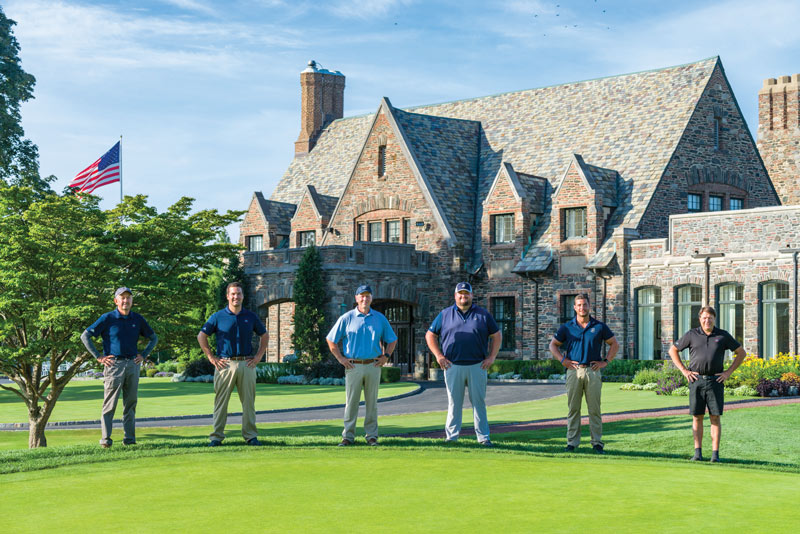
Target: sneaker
<point>253,442</point>
<point>128,443</point>
<point>105,445</point>
<point>697,458</point>
<point>345,443</point>
<point>714,457</point>
<point>372,442</point>
<point>214,443</point>
<point>598,449</point>
<point>486,443</point>
<point>569,448</point>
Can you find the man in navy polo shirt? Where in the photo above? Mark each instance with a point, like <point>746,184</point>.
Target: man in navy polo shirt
<point>584,337</point>
<point>465,331</point>
<point>120,330</point>
<point>234,362</point>
<point>707,345</point>
<point>368,344</point>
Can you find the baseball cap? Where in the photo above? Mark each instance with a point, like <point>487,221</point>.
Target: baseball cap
<point>121,290</point>
<point>463,286</point>
<point>363,289</point>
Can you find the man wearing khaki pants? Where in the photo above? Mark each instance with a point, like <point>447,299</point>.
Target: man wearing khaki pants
<point>584,337</point>
<point>234,362</point>
<point>365,332</point>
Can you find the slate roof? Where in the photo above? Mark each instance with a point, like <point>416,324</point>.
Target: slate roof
<point>447,151</point>
<point>277,214</point>
<point>629,123</point>
<point>324,204</point>
<point>537,190</point>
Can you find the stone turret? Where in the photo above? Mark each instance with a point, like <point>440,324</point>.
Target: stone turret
<point>779,135</point>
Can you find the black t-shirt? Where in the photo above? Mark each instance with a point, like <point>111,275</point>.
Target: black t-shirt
<point>707,352</point>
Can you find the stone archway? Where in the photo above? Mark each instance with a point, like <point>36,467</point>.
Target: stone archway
<point>277,316</point>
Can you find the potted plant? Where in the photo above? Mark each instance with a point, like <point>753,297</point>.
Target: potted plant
<point>435,372</point>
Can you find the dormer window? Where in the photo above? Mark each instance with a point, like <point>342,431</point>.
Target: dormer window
<point>503,228</point>
<point>574,223</point>
<point>254,243</point>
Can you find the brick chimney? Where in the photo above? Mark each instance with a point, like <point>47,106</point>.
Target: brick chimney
<point>322,98</point>
<point>779,135</point>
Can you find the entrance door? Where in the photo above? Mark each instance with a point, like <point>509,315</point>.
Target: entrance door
<point>400,316</point>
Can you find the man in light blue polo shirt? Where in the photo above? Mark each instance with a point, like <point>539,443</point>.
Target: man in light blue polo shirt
<point>120,330</point>
<point>368,343</point>
<point>584,337</point>
<point>466,332</point>
<point>234,362</point>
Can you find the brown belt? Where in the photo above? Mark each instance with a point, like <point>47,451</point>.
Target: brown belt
<point>369,360</point>
<point>240,358</point>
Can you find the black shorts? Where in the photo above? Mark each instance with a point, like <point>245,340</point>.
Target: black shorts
<point>706,392</point>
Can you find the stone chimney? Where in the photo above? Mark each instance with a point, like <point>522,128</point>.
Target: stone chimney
<point>322,99</point>
<point>779,135</point>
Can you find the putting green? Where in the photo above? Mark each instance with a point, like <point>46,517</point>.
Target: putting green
<point>329,489</point>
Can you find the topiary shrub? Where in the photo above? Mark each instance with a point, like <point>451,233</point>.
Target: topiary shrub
<point>390,374</point>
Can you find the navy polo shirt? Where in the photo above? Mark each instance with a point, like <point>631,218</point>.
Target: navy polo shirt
<point>362,333</point>
<point>464,337</point>
<point>583,345</point>
<point>120,333</point>
<point>234,331</point>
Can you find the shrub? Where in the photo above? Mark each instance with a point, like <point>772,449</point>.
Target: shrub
<point>390,374</point>
<point>293,379</point>
<point>652,386</point>
<point>268,373</point>
<point>325,368</point>
<point>646,376</point>
<point>776,387</point>
<point>150,373</point>
<point>668,383</point>
<point>631,387</point>
<point>790,377</point>
<point>169,366</point>
<point>619,366</point>
<point>682,391</point>
<point>199,367</point>
<point>743,391</point>
<point>161,374</point>
<point>755,369</point>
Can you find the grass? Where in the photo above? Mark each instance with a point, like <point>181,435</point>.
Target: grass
<point>158,397</point>
<point>396,489</point>
<point>301,482</point>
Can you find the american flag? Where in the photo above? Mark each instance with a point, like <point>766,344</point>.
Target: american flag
<point>104,171</point>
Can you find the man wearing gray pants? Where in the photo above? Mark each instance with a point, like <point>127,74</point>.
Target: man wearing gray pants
<point>470,341</point>
<point>120,330</point>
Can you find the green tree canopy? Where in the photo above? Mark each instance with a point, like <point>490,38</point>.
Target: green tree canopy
<point>60,260</point>
<point>18,156</point>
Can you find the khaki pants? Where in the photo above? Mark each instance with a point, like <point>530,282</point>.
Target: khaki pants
<point>244,378</point>
<point>584,382</point>
<point>368,377</point>
<point>122,376</point>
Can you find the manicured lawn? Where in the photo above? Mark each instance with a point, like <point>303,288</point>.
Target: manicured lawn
<point>424,489</point>
<point>158,397</point>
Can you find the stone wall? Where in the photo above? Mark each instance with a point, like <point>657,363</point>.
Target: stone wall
<point>779,134</point>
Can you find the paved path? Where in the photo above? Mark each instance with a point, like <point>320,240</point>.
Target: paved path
<point>430,397</point>
<point>609,418</point>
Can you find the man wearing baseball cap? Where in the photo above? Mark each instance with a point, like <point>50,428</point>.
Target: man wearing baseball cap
<point>470,340</point>
<point>120,330</point>
<point>368,343</point>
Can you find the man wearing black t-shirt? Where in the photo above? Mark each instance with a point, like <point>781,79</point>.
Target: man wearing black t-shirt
<point>707,345</point>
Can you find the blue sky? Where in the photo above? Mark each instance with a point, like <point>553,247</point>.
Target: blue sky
<point>207,97</point>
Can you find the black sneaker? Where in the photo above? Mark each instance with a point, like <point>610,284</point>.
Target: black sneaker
<point>569,448</point>
<point>598,449</point>
<point>214,443</point>
<point>253,442</point>
<point>697,458</point>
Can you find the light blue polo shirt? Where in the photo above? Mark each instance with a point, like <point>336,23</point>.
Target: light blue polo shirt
<point>362,333</point>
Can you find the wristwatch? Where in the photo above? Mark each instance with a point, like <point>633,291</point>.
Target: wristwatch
<point>388,357</point>
<point>604,360</point>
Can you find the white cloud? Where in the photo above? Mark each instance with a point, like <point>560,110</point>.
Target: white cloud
<point>367,9</point>
<point>192,5</point>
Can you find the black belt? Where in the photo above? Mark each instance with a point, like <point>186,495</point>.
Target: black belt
<point>238,358</point>
<point>708,376</point>
<point>125,357</point>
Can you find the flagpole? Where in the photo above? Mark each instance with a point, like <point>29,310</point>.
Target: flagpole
<point>120,168</point>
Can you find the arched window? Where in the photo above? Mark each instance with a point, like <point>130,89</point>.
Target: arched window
<point>648,326</point>
<point>689,300</point>
<point>774,318</point>
<point>731,310</point>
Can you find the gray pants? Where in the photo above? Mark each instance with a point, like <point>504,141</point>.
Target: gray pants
<point>364,376</point>
<point>456,378</point>
<point>122,376</point>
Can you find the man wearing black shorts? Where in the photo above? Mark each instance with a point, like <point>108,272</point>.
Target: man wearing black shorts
<point>707,345</point>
